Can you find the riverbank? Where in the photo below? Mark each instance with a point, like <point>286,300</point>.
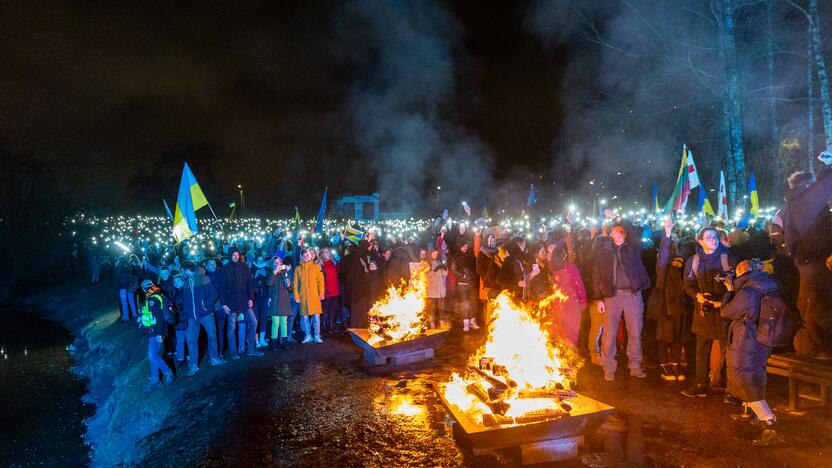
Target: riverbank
<point>316,404</point>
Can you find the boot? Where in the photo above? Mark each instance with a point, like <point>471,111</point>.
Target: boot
<point>769,436</point>
<point>273,343</point>
<point>261,342</point>
<point>283,343</point>
<point>474,324</point>
<point>466,325</point>
<point>667,373</point>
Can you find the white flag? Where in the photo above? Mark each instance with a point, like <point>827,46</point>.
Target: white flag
<point>693,175</point>
<point>722,211</point>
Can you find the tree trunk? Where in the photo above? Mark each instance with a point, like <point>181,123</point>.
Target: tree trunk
<point>823,77</point>
<point>779,163</point>
<point>810,104</point>
<point>736,156</point>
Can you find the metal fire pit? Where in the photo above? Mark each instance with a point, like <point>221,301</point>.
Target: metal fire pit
<point>539,442</point>
<point>405,352</point>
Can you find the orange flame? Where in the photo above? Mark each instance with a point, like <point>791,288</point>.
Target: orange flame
<point>519,344</point>
<point>401,315</point>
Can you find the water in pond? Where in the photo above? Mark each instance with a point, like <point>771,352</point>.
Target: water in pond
<point>40,398</point>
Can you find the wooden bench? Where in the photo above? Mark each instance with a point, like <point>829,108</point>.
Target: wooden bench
<point>799,369</point>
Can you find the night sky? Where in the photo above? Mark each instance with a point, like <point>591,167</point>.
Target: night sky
<point>588,99</point>
<point>262,88</point>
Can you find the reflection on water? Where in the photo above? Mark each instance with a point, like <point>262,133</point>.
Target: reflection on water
<point>40,394</point>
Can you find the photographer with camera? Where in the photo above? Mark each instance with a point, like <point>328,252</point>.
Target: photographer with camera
<point>704,271</point>
<point>746,357</point>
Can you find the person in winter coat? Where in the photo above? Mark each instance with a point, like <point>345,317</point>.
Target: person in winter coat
<point>566,316</point>
<point>198,298</point>
<point>261,274</point>
<point>237,297</point>
<point>670,307</point>
<point>463,267</point>
<point>398,272</point>
<point>436,275</point>
<point>514,270</point>
<point>746,358</point>
<point>332,292</point>
<point>487,274</point>
<point>181,326</point>
<point>280,303</point>
<point>618,278</point>
<point>540,280</point>
<point>309,292</point>
<point>359,284</point>
<point>807,229</point>
<point>710,261</point>
<point>126,288</point>
<point>152,318</point>
<point>214,274</point>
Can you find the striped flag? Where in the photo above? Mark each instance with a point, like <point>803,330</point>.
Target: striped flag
<point>693,174</point>
<point>753,197</point>
<point>353,235</point>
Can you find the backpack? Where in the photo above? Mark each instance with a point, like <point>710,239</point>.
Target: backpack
<point>694,265</point>
<point>775,326</point>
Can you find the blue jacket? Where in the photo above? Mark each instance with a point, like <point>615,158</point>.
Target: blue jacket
<point>198,296</point>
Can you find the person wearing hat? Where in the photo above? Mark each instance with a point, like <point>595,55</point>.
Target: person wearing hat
<point>261,274</point>
<point>746,358</point>
<point>309,293</point>
<point>155,319</point>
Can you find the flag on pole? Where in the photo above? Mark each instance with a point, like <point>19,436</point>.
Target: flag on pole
<point>693,174</point>
<point>189,200</point>
<point>167,209</point>
<point>654,200</point>
<point>679,199</point>
<point>722,208</point>
<point>319,224</point>
<point>467,208</point>
<point>705,204</point>
<point>753,196</point>
<point>532,196</point>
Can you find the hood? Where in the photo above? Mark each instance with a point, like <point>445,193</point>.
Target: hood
<point>758,280</point>
<point>199,279</point>
<point>488,252</point>
<point>794,193</point>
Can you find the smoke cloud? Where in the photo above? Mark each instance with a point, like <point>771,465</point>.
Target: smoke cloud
<point>403,56</point>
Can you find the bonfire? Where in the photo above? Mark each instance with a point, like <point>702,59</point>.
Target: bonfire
<point>519,375</point>
<point>401,315</point>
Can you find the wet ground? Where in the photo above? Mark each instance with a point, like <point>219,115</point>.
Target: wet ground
<point>40,398</point>
<point>318,405</point>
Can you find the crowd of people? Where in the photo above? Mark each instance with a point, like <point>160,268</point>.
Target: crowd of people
<point>682,301</point>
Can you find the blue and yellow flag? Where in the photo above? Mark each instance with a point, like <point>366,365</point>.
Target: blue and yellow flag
<point>319,223</point>
<point>705,204</point>
<point>353,235</point>
<point>753,197</point>
<point>189,200</point>
<point>655,198</point>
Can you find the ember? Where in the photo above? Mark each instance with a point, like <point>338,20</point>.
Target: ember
<point>518,376</point>
<point>401,315</point>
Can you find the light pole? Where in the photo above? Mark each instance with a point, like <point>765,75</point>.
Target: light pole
<point>438,188</point>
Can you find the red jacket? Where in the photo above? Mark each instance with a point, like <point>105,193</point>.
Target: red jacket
<point>331,279</point>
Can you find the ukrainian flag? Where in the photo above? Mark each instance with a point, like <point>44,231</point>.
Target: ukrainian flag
<point>353,235</point>
<point>189,200</point>
<point>753,196</point>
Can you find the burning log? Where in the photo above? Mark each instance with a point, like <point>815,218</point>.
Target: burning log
<point>494,381</point>
<point>497,406</point>
<point>493,420</point>
<point>547,393</point>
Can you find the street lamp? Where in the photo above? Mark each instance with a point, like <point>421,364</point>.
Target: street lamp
<point>438,188</point>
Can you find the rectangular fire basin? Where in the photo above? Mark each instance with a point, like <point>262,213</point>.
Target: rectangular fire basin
<point>586,416</point>
<point>405,352</point>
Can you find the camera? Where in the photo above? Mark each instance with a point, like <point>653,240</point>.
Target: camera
<point>725,276</point>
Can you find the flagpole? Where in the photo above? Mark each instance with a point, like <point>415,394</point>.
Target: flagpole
<point>216,219</point>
